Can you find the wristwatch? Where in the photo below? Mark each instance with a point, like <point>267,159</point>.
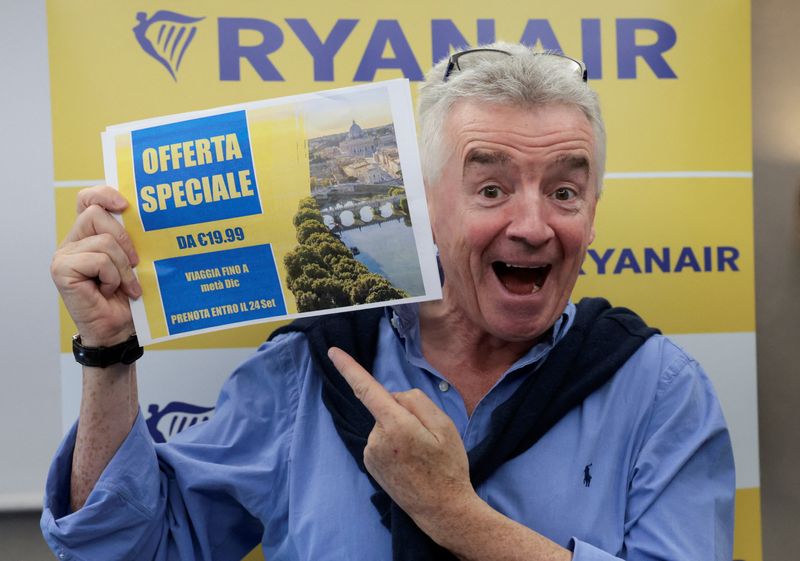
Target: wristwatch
<point>126,352</point>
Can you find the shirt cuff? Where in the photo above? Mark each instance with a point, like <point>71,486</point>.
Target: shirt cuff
<point>582,551</point>
<point>124,499</point>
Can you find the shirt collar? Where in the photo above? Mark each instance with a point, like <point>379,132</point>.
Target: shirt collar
<point>405,322</point>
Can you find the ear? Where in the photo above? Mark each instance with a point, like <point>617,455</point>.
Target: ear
<point>591,235</point>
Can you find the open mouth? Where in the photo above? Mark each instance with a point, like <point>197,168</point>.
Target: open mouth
<point>520,279</point>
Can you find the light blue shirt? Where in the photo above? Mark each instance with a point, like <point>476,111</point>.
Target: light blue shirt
<point>641,470</point>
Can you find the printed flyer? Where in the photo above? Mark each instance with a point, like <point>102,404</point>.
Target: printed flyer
<point>274,209</point>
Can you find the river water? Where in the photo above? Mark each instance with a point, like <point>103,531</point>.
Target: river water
<point>389,249</point>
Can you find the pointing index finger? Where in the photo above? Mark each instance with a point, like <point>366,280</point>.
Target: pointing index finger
<point>368,390</point>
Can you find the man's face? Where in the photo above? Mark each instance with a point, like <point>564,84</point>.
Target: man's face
<point>513,214</point>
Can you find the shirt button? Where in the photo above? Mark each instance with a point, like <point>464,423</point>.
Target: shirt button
<point>443,386</point>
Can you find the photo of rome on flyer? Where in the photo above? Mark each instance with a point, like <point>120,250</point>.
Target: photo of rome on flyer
<point>275,209</point>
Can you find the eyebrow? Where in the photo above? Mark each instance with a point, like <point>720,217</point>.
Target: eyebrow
<point>572,162</point>
<point>485,157</point>
<point>567,162</point>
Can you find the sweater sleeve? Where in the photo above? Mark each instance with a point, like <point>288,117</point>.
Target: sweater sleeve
<point>206,494</point>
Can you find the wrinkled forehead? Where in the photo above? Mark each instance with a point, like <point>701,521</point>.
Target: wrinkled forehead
<point>477,132</point>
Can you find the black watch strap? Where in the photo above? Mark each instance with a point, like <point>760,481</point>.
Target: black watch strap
<point>126,352</point>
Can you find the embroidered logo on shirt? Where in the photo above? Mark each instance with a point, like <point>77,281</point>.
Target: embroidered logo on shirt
<point>587,476</point>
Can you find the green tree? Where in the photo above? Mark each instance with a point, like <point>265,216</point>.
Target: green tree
<point>308,202</point>
<point>371,288</point>
<point>331,293</point>
<point>307,214</point>
<point>301,284</point>
<point>332,252</point>
<point>322,272</point>
<point>404,206</point>
<point>306,301</point>
<point>300,257</point>
<point>349,270</point>
<point>318,238</point>
<point>385,293</point>
<point>314,271</point>
<point>308,227</point>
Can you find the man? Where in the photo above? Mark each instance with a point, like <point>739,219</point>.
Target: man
<point>501,422</point>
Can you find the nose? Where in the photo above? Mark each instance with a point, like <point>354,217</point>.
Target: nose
<point>530,221</point>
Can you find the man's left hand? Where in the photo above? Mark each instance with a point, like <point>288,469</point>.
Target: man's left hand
<point>414,451</point>
<point>416,454</point>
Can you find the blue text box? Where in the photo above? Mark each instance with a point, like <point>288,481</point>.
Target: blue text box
<point>195,171</point>
<point>219,288</point>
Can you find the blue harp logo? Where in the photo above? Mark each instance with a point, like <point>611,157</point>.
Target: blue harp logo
<point>165,36</point>
<point>176,416</point>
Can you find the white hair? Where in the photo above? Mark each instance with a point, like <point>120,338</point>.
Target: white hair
<point>524,79</point>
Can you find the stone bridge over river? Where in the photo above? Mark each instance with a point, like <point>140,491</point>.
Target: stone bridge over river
<point>333,215</point>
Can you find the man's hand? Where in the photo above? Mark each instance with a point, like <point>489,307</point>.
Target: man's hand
<point>416,455</point>
<point>414,452</point>
<point>92,269</point>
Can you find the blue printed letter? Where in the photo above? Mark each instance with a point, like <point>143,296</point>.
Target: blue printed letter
<point>322,53</point>
<point>600,260</point>
<point>445,34</point>
<point>727,256</point>
<point>540,30</point>
<point>230,50</point>
<point>592,48</point>
<point>387,31</point>
<point>687,259</point>
<point>653,55</point>
<point>627,260</point>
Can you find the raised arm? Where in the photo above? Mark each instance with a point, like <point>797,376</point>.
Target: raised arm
<point>93,271</point>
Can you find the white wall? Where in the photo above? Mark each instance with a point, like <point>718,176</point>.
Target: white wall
<point>29,368</point>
